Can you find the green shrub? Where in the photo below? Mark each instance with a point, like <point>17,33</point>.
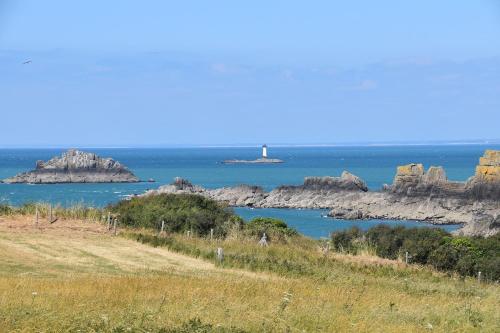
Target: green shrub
<point>181,212</point>
<point>388,240</point>
<point>428,246</point>
<point>466,265</point>
<point>275,229</point>
<point>5,209</point>
<point>345,240</point>
<point>421,242</point>
<point>445,257</point>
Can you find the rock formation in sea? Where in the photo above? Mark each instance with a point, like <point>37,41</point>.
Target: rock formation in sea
<point>263,160</point>
<point>241,195</point>
<point>76,166</point>
<point>415,194</point>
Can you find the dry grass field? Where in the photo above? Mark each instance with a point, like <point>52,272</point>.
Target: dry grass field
<point>74,276</point>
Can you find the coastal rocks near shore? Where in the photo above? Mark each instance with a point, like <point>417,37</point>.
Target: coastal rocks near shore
<point>346,182</point>
<point>489,166</point>
<point>415,194</point>
<point>241,195</point>
<point>429,196</point>
<point>315,192</point>
<point>412,180</point>
<point>76,166</point>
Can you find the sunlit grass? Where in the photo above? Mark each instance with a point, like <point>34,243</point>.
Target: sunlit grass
<point>97,282</point>
<point>75,211</point>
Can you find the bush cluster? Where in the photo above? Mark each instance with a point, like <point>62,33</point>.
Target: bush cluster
<point>427,246</point>
<point>195,213</point>
<point>181,213</point>
<point>275,229</point>
<point>5,209</point>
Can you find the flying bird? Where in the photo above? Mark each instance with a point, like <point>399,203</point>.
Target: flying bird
<point>27,62</point>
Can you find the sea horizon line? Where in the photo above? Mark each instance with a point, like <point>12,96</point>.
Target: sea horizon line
<point>254,145</point>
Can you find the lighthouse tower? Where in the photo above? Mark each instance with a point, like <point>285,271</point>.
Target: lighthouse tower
<point>264,151</point>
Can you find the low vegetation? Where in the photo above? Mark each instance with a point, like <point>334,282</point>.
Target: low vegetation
<point>76,276</point>
<point>65,279</point>
<point>76,211</point>
<point>466,256</point>
<point>274,229</point>
<point>179,212</point>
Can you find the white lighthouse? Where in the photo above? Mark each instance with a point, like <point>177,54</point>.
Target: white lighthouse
<point>264,151</point>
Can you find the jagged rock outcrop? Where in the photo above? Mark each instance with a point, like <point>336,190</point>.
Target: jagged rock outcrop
<point>485,184</point>
<point>179,185</point>
<point>481,225</point>
<point>315,192</point>
<point>408,175</point>
<point>241,195</point>
<point>76,167</point>
<point>412,180</point>
<point>346,182</point>
<point>489,166</point>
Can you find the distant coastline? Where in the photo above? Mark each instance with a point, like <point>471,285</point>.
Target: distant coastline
<point>277,145</point>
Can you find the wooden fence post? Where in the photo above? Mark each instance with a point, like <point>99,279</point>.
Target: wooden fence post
<point>220,254</point>
<point>162,227</point>
<point>211,234</point>
<point>109,221</point>
<point>36,216</point>
<point>51,215</point>
<point>115,226</point>
<point>479,276</point>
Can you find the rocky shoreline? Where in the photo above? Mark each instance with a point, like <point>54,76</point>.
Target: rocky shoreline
<point>76,166</point>
<point>414,195</point>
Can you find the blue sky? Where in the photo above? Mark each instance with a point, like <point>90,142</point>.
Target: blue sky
<point>152,73</point>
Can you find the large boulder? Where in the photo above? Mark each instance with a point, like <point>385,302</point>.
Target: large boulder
<point>346,182</point>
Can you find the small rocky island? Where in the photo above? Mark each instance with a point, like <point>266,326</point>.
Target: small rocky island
<point>415,194</point>
<point>76,166</point>
<point>263,160</point>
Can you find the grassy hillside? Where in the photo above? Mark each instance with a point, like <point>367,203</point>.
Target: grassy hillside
<point>76,276</point>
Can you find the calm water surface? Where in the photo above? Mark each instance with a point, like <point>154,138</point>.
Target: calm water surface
<point>314,223</point>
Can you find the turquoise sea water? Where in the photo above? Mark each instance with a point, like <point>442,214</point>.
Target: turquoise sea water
<point>376,165</point>
<point>315,223</point>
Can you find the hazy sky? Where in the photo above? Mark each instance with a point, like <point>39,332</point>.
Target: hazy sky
<point>137,73</point>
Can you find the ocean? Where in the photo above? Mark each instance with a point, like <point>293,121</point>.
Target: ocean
<point>202,166</point>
